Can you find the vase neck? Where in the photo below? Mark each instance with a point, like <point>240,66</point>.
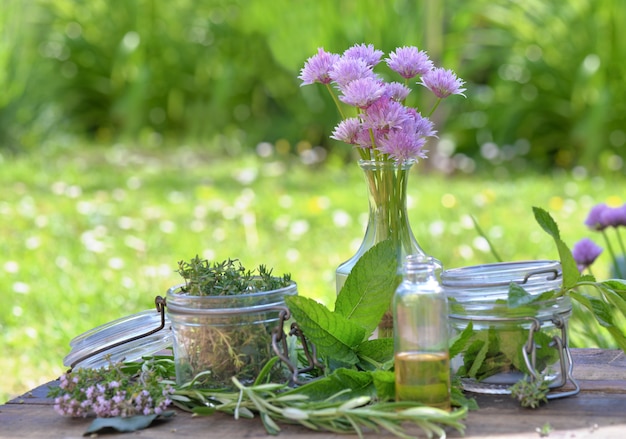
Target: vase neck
<point>387,194</point>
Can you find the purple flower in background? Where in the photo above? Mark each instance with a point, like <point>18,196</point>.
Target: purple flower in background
<point>595,218</point>
<point>613,216</point>
<point>367,53</point>
<point>317,67</point>
<point>409,62</point>
<point>585,252</point>
<point>443,83</point>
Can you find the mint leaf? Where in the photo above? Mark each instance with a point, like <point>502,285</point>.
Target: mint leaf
<point>377,353</point>
<point>333,335</point>
<point>341,384</point>
<point>385,384</point>
<point>587,278</point>
<point>475,355</point>
<point>615,297</point>
<point>458,343</point>
<point>618,286</point>
<point>602,312</point>
<point>571,275</point>
<point>546,222</point>
<point>368,290</point>
<point>511,342</point>
<point>518,296</point>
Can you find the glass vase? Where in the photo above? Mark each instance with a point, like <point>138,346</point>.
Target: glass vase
<point>388,219</point>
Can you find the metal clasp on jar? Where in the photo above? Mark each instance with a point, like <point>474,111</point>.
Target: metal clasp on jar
<point>279,345</point>
<point>565,357</point>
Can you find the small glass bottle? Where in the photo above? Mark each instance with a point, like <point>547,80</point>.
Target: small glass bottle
<point>422,360</point>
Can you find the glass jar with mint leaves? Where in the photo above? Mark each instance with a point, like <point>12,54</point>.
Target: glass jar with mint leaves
<point>508,324</point>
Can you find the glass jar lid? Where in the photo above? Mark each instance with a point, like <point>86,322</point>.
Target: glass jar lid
<point>490,282</point>
<point>124,339</point>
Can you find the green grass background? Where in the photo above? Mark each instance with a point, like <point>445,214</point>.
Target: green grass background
<point>91,234</point>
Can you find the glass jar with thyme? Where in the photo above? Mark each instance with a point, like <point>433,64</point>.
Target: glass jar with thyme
<point>222,318</point>
<point>510,323</point>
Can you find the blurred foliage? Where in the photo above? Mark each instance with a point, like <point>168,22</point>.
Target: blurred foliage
<point>544,77</point>
<point>549,84</point>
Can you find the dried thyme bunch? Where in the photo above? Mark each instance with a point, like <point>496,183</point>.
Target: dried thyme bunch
<point>228,277</point>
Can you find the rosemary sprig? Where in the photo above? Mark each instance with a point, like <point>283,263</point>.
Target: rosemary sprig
<point>356,415</point>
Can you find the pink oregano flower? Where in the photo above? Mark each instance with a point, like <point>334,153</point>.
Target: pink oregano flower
<point>382,126</point>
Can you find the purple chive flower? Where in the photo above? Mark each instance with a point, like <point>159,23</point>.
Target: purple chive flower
<point>384,114</point>
<point>346,70</point>
<point>347,131</point>
<point>367,53</point>
<point>409,62</point>
<point>383,124</point>
<point>407,141</point>
<point>585,252</point>
<point>397,91</point>
<point>443,83</point>
<point>402,145</point>
<point>422,125</point>
<point>613,216</point>
<point>595,220</point>
<point>317,67</point>
<point>362,92</point>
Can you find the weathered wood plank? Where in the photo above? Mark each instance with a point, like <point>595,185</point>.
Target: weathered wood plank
<point>599,411</point>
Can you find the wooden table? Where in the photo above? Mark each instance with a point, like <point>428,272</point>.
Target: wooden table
<point>598,412</point>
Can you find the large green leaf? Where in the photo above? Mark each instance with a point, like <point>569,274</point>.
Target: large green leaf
<point>334,336</point>
<point>346,382</point>
<point>615,298</point>
<point>460,341</point>
<point>519,297</point>
<point>603,314</point>
<point>368,290</point>
<point>376,353</point>
<point>571,275</point>
<point>385,383</point>
<point>546,222</point>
